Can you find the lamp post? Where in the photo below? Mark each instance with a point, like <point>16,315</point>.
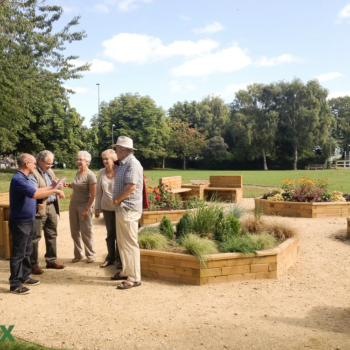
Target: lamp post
<point>330,147</point>
<point>98,101</point>
<point>112,134</point>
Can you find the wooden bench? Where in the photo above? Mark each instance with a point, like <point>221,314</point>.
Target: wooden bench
<point>5,237</point>
<point>226,187</point>
<point>175,184</point>
<point>314,167</point>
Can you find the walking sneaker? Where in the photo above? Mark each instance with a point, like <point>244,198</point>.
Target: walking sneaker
<point>20,290</point>
<point>31,282</point>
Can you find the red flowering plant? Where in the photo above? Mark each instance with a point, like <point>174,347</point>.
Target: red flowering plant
<point>161,198</point>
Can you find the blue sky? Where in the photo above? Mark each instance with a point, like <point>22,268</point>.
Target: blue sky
<point>177,50</point>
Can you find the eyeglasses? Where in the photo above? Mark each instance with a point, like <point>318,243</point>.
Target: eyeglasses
<point>80,159</point>
<point>49,164</point>
<point>105,159</point>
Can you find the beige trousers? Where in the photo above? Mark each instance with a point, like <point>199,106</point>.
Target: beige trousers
<point>127,238</point>
<point>81,232</point>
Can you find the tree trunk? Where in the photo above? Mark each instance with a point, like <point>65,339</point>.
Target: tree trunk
<point>264,156</point>
<point>163,163</point>
<point>184,164</point>
<point>295,159</point>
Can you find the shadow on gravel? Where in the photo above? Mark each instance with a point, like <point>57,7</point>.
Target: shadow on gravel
<point>340,235</point>
<point>331,319</point>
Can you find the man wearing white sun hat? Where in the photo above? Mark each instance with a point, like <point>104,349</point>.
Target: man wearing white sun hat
<point>127,198</point>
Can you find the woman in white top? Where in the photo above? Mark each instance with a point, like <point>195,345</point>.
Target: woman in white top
<point>103,202</point>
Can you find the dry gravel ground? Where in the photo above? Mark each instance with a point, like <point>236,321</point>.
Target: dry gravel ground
<point>80,308</point>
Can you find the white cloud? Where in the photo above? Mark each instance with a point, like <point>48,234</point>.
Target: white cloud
<point>226,60</point>
<point>185,18</point>
<point>338,94</point>
<point>231,90</point>
<point>97,66</point>
<point>141,49</point>
<point>274,61</point>
<point>99,8</point>
<point>328,76</point>
<point>129,5</point>
<point>78,90</point>
<point>176,86</point>
<point>67,9</point>
<point>344,13</point>
<point>209,29</point>
<point>191,87</point>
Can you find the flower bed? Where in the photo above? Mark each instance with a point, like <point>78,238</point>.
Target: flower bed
<point>303,209</point>
<point>165,203</point>
<point>220,268</point>
<point>305,198</point>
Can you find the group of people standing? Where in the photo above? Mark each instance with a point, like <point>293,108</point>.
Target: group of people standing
<point>34,207</point>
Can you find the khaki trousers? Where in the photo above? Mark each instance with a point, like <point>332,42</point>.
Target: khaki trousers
<point>127,238</point>
<point>48,223</point>
<point>81,232</point>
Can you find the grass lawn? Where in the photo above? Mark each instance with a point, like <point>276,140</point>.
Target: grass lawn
<point>21,345</point>
<point>339,179</point>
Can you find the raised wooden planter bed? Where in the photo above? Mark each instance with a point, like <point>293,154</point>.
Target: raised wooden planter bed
<point>196,190</point>
<point>5,237</point>
<point>154,217</point>
<point>227,267</point>
<point>303,209</point>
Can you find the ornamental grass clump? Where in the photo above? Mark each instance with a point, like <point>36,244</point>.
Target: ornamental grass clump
<point>153,241</point>
<point>252,224</point>
<point>279,229</point>
<point>204,218</point>
<point>249,244</point>
<point>236,209</point>
<point>166,228</point>
<point>199,247</point>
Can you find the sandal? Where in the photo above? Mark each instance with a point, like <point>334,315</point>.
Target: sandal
<point>118,277</point>
<point>106,263</point>
<point>128,285</point>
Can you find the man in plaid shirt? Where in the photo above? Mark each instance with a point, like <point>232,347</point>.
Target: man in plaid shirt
<point>127,198</point>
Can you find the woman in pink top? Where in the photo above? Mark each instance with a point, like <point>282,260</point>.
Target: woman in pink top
<point>105,183</point>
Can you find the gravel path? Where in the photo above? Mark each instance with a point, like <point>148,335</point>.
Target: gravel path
<point>80,308</point>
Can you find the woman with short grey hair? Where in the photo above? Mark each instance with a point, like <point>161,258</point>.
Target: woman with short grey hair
<point>80,208</point>
<point>103,203</point>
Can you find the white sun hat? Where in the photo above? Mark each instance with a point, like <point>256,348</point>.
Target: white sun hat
<point>126,142</point>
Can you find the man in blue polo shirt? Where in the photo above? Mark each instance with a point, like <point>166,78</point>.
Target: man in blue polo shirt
<point>23,206</point>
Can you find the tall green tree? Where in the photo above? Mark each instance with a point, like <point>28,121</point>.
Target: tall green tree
<point>186,112</point>
<point>137,117</point>
<point>32,67</point>
<point>340,108</point>
<point>214,115</point>
<point>304,115</point>
<point>257,108</point>
<point>185,141</point>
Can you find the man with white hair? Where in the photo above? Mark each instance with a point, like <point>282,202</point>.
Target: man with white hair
<point>127,198</point>
<point>46,217</point>
<point>23,208</point>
